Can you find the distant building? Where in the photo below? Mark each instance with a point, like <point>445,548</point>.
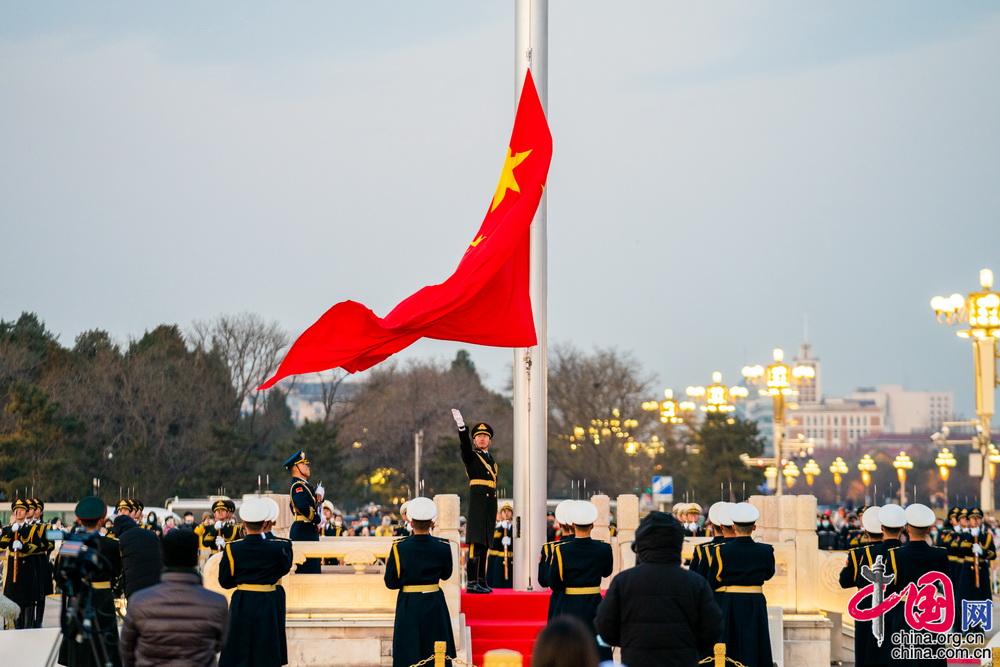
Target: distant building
<point>909,411</point>
<point>810,390</point>
<point>836,422</point>
<point>305,399</point>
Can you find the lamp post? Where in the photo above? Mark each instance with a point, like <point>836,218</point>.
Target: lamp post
<point>811,470</point>
<point>945,461</point>
<point>902,463</point>
<point>790,472</point>
<point>771,475</point>
<point>994,460</point>
<point>778,381</point>
<point>717,397</point>
<point>671,410</point>
<point>981,312</point>
<point>866,466</point>
<point>838,469</point>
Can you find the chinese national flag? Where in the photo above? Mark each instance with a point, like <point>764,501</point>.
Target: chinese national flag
<point>485,301</point>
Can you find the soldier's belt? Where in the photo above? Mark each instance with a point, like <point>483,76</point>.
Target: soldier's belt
<point>100,585</point>
<point>299,517</point>
<point>483,482</point>
<point>955,559</point>
<point>740,589</point>
<point>257,588</point>
<point>583,590</point>
<point>502,554</point>
<point>423,588</point>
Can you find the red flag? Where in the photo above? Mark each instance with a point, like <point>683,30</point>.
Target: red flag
<point>485,301</point>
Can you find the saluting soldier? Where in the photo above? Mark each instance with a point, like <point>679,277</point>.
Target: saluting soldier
<point>415,567</point>
<point>500,569</point>
<point>482,470</point>
<point>577,569</point>
<point>305,501</point>
<point>20,542</point>
<point>722,530</point>
<point>225,529</point>
<point>739,569</point>
<point>565,525</point>
<point>76,650</point>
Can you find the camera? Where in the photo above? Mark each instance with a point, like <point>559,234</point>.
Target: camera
<point>79,558</point>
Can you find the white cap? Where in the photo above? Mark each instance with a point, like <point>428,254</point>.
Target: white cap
<point>583,513</point>
<point>892,516</point>
<point>719,514</point>
<point>403,509</point>
<point>275,510</point>
<point>562,512</point>
<point>744,513</point>
<point>870,521</point>
<point>694,507</point>
<point>920,516</point>
<point>254,510</point>
<point>421,509</point>
<point>679,509</point>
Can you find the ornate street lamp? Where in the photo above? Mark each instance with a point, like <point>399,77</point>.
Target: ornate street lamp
<point>671,410</point>
<point>981,312</point>
<point>771,475</point>
<point>790,472</point>
<point>838,469</point>
<point>866,466</point>
<point>994,460</point>
<point>717,397</point>
<point>902,463</point>
<point>945,461</point>
<point>811,470</point>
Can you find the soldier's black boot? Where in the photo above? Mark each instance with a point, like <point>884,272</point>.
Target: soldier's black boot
<point>472,582</point>
<point>481,573</point>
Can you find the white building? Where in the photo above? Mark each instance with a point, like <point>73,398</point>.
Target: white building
<point>836,422</point>
<point>909,411</point>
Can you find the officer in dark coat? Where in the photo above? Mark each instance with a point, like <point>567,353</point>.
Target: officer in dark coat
<point>305,501</point>
<point>577,569</point>
<point>482,471</point>
<point>253,566</point>
<point>500,569</point>
<point>21,542</point>
<point>722,531</point>
<point>142,560</point>
<point>225,529</point>
<point>37,562</point>
<point>562,519</point>
<point>100,588</point>
<point>974,570</point>
<point>739,569</point>
<point>415,567</point>
<point>907,564</point>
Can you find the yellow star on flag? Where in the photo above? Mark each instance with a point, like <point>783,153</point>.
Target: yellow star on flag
<point>507,180</point>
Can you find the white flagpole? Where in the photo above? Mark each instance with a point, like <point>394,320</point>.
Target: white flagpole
<point>531,51</point>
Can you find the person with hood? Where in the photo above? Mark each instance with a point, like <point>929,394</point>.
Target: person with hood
<point>142,560</point>
<point>660,614</point>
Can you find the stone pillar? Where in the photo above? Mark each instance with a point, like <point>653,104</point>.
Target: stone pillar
<point>627,518</point>
<point>446,527</point>
<point>602,530</point>
<point>807,563</point>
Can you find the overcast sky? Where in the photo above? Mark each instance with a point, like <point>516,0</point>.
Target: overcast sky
<point>720,170</point>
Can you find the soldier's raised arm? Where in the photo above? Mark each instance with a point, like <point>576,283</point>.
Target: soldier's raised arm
<point>463,436</point>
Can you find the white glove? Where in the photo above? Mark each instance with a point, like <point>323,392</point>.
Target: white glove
<point>505,541</point>
<point>16,546</point>
<point>15,527</point>
<point>976,549</point>
<point>218,525</point>
<point>220,541</point>
<point>975,532</point>
<point>458,418</point>
<point>320,491</point>
<point>505,523</point>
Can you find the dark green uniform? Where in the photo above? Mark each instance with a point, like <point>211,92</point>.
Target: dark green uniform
<point>739,568</point>
<point>302,500</point>
<point>974,570</point>
<point>416,566</point>
<point>575,575</point>
<point>500,569</point>
<point>253,566</point>
<point>482,471</point>
<point>25,569</point>
<point>230,531</point>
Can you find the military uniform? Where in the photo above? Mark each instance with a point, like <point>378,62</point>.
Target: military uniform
<point>306,513</point>
<point>482,471</point>
<point>25,549</point>
<point>738,571</point>
<point>43,567</point>
<point>102,599</point>
<point>972,572</point>
<point>500,568</point>
<point>866,649</point>
<point>575,574</point>
<point>415,567</point>
<point>253,566</point>
<point>228,530</point>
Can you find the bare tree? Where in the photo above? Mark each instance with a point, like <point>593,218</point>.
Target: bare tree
<point>251,349</point>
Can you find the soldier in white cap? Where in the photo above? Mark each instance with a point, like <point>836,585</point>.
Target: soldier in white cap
<point>722,530</point>
<point>415,567</point>
<point>738,572</point>
<point>577,569</point>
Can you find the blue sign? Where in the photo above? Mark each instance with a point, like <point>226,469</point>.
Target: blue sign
<point>663,488</point>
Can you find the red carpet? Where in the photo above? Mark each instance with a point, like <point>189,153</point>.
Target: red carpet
<point>505,619</point>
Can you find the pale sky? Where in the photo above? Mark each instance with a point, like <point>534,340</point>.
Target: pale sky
<point>720,170</point>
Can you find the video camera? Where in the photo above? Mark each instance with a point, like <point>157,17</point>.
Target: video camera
<point>79,557</point>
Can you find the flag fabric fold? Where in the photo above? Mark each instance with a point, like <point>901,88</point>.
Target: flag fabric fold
<point>484,302</point>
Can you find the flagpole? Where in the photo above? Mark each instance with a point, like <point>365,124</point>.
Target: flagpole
<point>531,51</point>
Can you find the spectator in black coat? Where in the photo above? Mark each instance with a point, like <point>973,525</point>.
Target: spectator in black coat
<point>142,560</point>
<point>659,613</point>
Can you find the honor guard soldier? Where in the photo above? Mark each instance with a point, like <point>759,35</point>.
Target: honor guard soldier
<point>47,575</point>
<point>948,529</point>
<point>415,567</point>
<point>22,545</point>
<point>974,580</point>
<point>77,649</point>
<point>41,568</point>
<point>565,525</point>
<point>305,502</point>
<point>253,566</point>
<point>722,530</point>
<point>907,564</point>
<point>739,569</point>
<point>225,529</point>
<point>577,569</point>
<point>499,570</point>
<point>482,471</point>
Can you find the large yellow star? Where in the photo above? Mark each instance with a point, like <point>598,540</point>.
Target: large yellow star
<point>507,180</point>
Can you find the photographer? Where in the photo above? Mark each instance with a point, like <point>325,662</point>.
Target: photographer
<point>86,570</point>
